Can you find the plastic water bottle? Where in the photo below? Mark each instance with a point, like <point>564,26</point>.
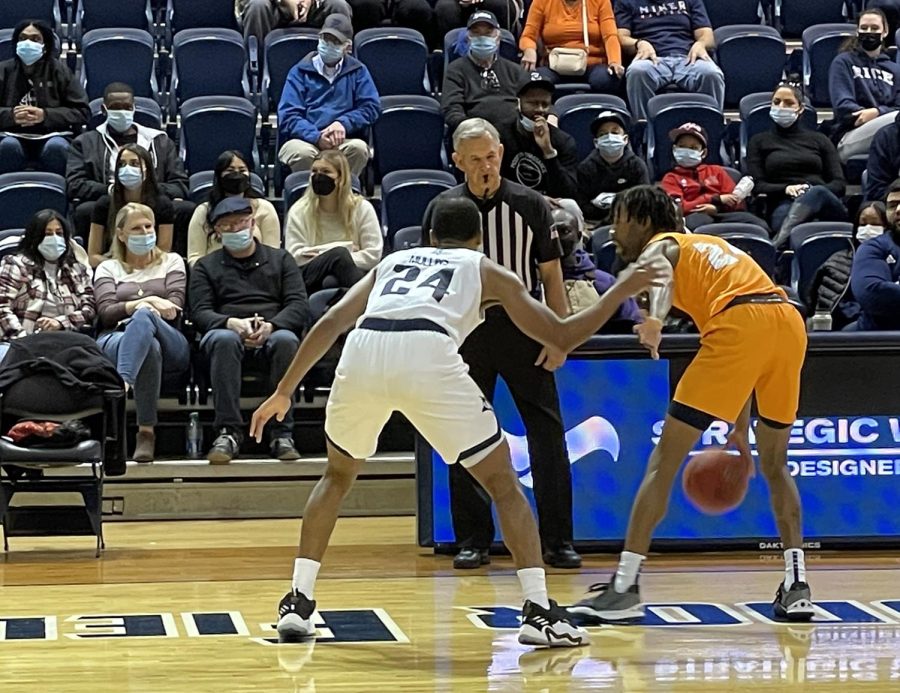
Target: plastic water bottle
<point>743,188</point>
<point>194,436</point>
<point>821,321</point>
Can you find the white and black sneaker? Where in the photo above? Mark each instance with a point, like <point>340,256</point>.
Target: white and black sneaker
<point>295,617</point>
<point>549,627</point>
<point>604,604</point>
<point>794,604</point>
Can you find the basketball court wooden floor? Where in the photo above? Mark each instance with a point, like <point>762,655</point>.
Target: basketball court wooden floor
<point>187,607</point>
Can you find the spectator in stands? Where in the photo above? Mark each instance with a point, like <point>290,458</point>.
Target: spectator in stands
<point>864,84</point>
<point>481,84</point>
<point>706,190</point>
<point>670,43</point>
<point>331,231</point>
<point>246,298</point>
<point>611,168</point>
<point>42,285</point>
<point>260,17</point>
<point>231,178</point>
<point>328,102</point>
<point>41,103</point>
<point>796,168</point>
<point>91,163</point>
<point>537,154</point>
<point>883,164</point>
<point>413,14</point>
<point>875,275</point>
<point>830,290</point>
<point>140,297</point>
<point>452,14</point>
<point>135,183</point>
<point>560,24</point>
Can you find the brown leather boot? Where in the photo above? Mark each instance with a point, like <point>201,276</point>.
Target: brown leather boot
<point>144,447</point>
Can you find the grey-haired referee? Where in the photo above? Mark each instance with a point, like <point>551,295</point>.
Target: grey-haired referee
<point>516,224</point>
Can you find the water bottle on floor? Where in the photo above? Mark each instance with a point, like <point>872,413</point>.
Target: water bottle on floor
<point>194,436</point>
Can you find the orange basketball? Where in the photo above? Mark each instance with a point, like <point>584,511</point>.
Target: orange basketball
<point>716,481</point>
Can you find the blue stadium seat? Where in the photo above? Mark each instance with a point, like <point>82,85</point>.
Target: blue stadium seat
<point>208,62</point>
<point>118,55</point>
<point>297,183</point>
<point>200,184</point>
<point>146,112</point>
<point>283,49</point>
<point>9,241</point>
<point>796,16</point>
<point>405,238</point>
<point>111,14</point>
<point>603,249</point>
<point>454,40</point>
<point>396,58</point>
<point>813,243</point>
<point>752,239</point>
<point>395,147</point>
<point>668,111</point>
<point>22,194</point>
<point>14,11</point>
<point>212,124</point>
<point>742,45</point>
<point>727,12</point>
<point>198,14</point>
<point>754,112</point>
<point>577,111</point>
<point>405,196</point>
<point>820,46</point>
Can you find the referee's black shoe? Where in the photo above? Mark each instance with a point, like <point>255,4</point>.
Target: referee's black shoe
<point>469,558</point>
<point>564,556</point>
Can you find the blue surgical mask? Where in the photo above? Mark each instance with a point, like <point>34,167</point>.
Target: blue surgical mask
<point>29,52</point>
<point>483,47</point>
<point>689,158</point>
<point>526,123</point>
<point>783,117</point>
<point>610,145</point>
<point>52,247</point>
<point>141,243</point>
<point>131,177</point>
<point>120,121</point>
<point>330,53</point>
<point>237,240</point>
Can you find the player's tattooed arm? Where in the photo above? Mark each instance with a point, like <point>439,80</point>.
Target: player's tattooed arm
<point>664,255</point>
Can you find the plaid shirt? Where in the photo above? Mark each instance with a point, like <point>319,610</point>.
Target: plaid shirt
<point>24,289</point>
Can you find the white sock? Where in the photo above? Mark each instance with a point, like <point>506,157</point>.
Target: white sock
<point>627,572</point>
<point>305,573</point>
<point>534,586</point>
<point>794,567</point>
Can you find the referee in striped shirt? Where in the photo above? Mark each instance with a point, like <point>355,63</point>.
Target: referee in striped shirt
<point>516,224</point>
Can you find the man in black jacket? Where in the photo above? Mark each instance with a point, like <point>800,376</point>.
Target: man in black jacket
<point>537,154</point>
<point>41,103</point>
<point>89,170</point>
<point>247,299</point>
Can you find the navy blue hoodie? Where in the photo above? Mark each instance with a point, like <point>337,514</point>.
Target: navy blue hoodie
<point>874,282</point>
<point>857,82</point>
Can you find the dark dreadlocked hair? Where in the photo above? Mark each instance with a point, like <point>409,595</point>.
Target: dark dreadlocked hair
<point>648,203</point>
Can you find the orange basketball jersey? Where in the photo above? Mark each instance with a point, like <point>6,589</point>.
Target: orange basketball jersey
<point>711,273</point>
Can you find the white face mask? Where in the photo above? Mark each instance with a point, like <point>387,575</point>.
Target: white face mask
<point>868,232</point>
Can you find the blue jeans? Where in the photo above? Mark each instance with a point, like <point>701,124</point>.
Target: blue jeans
<point>597,76</point>
<point>225,352</point>
<point>48,155</point>
<point>818,203</point>
<point>139,352</point>
<point>644,79</point>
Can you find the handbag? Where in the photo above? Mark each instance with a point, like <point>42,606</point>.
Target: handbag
<point>572,62</point>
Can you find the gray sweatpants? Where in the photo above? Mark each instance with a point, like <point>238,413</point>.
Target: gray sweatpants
<point>858,140</point>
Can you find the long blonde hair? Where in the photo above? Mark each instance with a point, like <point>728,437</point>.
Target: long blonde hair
<point>308,205</point>
<point>118,247</point>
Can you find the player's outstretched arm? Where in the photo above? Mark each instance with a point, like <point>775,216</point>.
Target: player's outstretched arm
<point>320,339</point>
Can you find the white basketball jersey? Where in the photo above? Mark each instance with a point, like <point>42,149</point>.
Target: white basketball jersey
<point>442,285</point>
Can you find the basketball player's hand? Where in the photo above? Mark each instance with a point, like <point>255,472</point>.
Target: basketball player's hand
<point>550,358</point>
<point>277,405</point>
<point>649,334</point>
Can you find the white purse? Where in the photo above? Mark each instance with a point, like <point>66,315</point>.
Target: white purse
<point>572,62</point>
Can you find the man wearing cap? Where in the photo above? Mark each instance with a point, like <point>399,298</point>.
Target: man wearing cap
<point>259,17</point>
<point>328,102</point>
<point>706,190</point>
<point>452,14</point>
<point>537,154</point>
<point>611,168</point>
<point>670,42</point>
<point>248,301</point>
<point>481,84</point>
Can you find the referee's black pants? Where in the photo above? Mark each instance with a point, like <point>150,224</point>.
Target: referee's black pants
<point>498,347</point>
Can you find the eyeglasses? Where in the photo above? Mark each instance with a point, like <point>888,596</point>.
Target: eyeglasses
<point>489,80</point>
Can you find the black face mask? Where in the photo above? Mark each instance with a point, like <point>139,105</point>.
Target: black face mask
<point>869,40</point>
<point>235,183</point>
<point>322,184</point>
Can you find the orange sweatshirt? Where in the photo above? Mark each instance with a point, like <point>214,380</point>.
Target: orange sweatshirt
<point>558,25</point>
